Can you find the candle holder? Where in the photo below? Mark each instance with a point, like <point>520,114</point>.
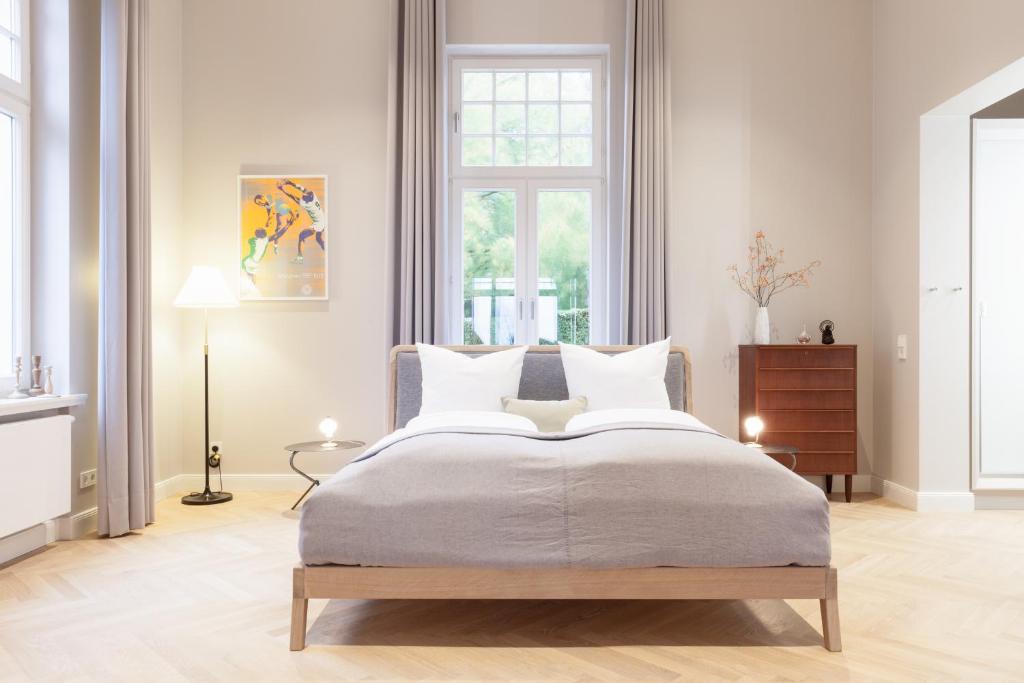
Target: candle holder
<point>17,393</point>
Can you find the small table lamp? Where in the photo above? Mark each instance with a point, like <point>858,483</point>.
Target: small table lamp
<point>753,426</point>
<point>205,288</point>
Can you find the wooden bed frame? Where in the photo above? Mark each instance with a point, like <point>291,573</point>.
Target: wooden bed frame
<point>655,583</point>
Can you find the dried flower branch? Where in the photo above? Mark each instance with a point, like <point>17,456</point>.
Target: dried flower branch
<point>760,281</point>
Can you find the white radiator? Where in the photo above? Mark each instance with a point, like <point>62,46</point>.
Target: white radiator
<point>35,471</point>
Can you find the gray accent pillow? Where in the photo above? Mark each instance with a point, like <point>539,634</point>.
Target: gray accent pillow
<point>549,416</point>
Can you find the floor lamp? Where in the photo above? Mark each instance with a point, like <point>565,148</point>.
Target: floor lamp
<point>205,288</point>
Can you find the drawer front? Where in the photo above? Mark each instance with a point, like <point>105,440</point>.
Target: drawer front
<point>809,419</point>
<point>811,357</point>
<point>810,462</point>
<point>805,399</point>
<point>806,378</point>
<point>812,441</point>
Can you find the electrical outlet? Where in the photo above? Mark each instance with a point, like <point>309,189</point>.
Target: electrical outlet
<point>86,479</point>
<point>218,446</point>
<point>901,347</point>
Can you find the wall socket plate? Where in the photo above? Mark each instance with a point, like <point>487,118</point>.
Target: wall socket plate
<point>87,479</point>
<point>901,347</point>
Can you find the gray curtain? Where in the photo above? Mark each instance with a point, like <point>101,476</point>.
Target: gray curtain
<point>125,476</point>
<point>647,165</point>
<point>416,171</point>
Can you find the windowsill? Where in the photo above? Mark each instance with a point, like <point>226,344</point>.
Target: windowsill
<point>17,406</point>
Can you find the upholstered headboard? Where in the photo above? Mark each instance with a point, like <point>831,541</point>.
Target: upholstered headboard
<point>542,379</point>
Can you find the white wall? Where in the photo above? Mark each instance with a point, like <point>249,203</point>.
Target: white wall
<point>772,128</point>
<point>84,241</point>
<point>772,123</point>
<point>167,221</point>
<point>296,87</point>
<point>925,52</point>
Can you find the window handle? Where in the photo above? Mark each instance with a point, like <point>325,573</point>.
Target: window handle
<point>533,309</point>
<point>456,121</point>
<point>520,309</point>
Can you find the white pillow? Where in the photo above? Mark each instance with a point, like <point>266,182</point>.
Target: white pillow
<point>600,418</point>
<point>634,379</point>
<point>454,381</point>
<point>470,418</point>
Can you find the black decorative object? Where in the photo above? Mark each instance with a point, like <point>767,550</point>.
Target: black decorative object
<point>826,327</point>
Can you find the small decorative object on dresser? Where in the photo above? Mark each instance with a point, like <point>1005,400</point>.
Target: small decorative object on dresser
<point>803,337</point>
<point>17,393</point>
<point>827,327</point>
<point>760,281</point>
<point>48,389</point>
<point>807,398</point>
<point>37,376</point>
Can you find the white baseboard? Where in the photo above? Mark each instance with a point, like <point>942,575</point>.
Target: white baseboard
<point>187,483</point>
<point>66,528</point>
<point>945,501</point>
<point>70,527</point>
<point>1003,500</point>
<point>24,542</point>
<point>862,483</point>
<point>924,501</point>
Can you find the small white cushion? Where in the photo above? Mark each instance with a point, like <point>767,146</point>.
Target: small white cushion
<point>455,381</point>
<point>549,416</point>
<point>634,379</point>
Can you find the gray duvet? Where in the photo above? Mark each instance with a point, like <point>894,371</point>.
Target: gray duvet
<point>637,495</point>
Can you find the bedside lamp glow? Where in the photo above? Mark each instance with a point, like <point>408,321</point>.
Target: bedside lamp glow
<point>753,426</point>
<point>328,427</point>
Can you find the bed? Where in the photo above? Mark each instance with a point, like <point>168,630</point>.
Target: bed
<point>625,511</point>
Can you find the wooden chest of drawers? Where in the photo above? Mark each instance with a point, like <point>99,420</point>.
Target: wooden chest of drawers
<point>807,397</point>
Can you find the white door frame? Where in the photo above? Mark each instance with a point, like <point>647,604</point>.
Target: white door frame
<point>944,321</point>
<point>982,481</point>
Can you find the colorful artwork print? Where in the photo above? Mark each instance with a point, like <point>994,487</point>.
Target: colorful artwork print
<point>283,237</point>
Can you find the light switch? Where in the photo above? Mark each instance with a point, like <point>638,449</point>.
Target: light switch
<point>901,347</point>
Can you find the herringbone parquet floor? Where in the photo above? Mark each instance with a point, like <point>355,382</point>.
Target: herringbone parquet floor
<point>204,595</point>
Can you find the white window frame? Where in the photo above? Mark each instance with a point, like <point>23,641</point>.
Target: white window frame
<point>527,181</point>
<point>15,102</point>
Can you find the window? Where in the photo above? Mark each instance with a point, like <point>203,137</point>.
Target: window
<point>527,201</point>
<point>14,122</point>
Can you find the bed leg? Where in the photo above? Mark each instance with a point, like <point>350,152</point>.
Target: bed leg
<point>830,614</point>
<point>300,605</point>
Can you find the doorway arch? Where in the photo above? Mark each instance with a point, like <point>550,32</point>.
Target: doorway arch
<point>944,314</point>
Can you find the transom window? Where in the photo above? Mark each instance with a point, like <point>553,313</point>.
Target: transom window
<point>527,118</point>
<point>11,45</point>
<point>527,206</point>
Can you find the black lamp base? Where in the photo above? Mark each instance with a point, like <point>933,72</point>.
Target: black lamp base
<point>206,498</point>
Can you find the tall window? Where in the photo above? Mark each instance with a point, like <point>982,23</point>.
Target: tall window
<point>527,201</point>
<point>14,121</point>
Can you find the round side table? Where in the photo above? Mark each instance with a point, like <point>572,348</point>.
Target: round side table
<point>790,451</point>
<point>315,447</point>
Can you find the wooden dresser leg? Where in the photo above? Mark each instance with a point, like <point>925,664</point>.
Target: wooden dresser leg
<point>828,483</point>
<point>830,614</point>
<point>300,607</point>
<point>849,487</point>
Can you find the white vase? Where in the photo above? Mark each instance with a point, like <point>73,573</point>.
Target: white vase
<point>762,327</point>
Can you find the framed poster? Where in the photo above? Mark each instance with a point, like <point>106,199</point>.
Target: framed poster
<point>282,237</point>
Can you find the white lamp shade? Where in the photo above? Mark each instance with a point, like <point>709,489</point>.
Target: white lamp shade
<point>205,288</point>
